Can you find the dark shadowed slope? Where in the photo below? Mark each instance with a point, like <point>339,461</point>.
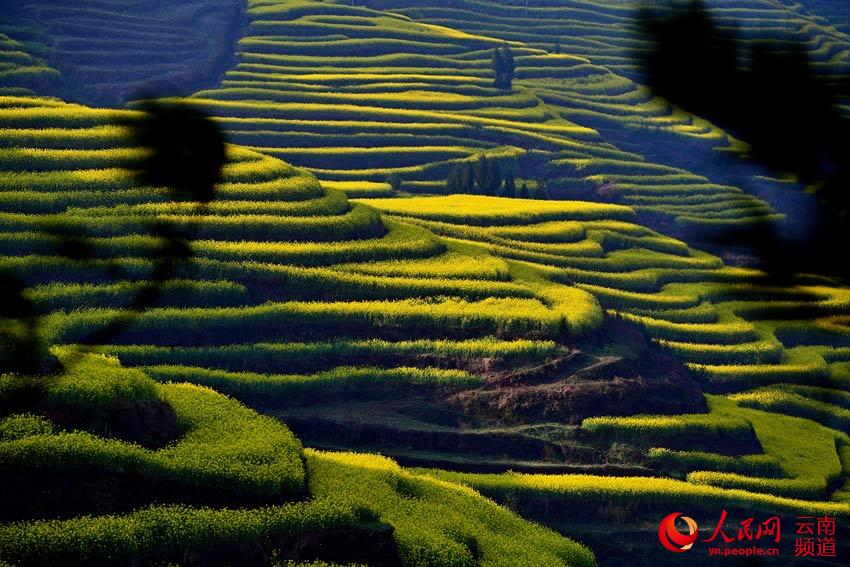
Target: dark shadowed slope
<point>110,50</point>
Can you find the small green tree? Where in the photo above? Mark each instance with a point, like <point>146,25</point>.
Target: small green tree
<point>453,181</point>
<point>542,189</point>
<point>494,179</point>
<point>503,67</point>
<point>467,179</point>
<point>488,177</point>
<point>509,186</point>
<point>482,171</point>
<point>523,191</point>
<point>394,181</point>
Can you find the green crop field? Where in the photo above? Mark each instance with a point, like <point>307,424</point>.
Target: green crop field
<point>370,352</point>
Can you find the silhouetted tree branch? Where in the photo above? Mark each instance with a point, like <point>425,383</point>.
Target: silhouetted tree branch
<point>184,153</point>
<point>768,95</point>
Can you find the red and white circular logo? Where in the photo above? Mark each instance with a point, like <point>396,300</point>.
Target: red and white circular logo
<point>670,536</point>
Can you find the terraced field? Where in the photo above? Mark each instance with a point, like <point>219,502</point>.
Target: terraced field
<point>110,51</point>
<point>20,67</point>
<point>420,98</point>
<point>293,258</point>
<point>605,31</point>
<point>833,14</point>
<point>735,334</point>
<point>572,358</point>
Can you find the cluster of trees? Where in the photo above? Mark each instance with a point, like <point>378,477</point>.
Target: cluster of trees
<point>503,67</point>
<point>486,177</point>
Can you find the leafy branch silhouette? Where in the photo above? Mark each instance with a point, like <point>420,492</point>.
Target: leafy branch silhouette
<point>769,95</point>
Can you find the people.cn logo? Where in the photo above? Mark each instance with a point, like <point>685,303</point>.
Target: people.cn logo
<point>674,540</point>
